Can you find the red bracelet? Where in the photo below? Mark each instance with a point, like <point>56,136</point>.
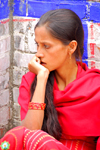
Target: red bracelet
<point>36,106</point>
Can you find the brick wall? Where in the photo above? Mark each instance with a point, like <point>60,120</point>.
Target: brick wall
<point>22,47</point>
<point>4,67</point>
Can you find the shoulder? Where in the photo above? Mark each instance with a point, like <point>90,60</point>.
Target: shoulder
<point>93,75</point>
<point>88,77</point>
<point>85,71</point>
<point>28,78</point>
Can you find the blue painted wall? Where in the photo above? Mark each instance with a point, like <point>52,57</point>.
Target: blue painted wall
<point>95,12</point>
<point>4,9</point>
<point>86,10</point>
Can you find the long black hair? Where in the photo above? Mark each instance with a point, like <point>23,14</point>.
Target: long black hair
<point>66,26</point>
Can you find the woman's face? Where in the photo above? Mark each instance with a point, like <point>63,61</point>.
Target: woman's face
<point>52,52</point>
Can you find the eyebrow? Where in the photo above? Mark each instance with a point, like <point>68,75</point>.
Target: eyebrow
<point>43,42</point>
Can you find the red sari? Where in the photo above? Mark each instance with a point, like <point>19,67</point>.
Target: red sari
<point>78,108</point>
<point>20,138</point>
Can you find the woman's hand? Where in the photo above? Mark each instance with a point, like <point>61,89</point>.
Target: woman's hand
<point>35,67</point>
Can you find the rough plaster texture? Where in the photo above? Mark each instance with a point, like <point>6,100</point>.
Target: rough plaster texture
<point>4,76</point>
<point>17,46</point>
<point>5,67</point>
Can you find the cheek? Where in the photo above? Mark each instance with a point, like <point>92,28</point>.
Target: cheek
<point>56,55</point>
<point>53,58</point>
<point>55,62</point>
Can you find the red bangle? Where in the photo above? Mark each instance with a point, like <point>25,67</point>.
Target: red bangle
<point>36,106</point>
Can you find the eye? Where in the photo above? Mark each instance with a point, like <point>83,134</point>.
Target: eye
<point>46,46</point>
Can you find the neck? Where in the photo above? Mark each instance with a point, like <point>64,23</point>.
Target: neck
<point>66,74</point>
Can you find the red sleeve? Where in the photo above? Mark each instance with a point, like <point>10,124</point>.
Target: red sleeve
<point>98,144</point>
<point>24,93</point>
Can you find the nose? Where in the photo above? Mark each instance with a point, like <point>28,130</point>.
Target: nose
<point>39,53</point>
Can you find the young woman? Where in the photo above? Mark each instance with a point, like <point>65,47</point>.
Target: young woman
<point>60,95</point>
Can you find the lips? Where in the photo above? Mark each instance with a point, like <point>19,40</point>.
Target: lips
<point>43,63</point>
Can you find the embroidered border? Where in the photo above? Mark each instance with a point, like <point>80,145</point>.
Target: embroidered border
<point>77,144</point>
<point>41,138</point>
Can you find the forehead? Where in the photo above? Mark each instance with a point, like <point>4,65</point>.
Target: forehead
<point>42,33</point>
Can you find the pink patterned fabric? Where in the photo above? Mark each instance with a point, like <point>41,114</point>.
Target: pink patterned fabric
<point>20,138</point>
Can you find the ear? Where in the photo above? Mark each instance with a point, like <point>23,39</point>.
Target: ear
<point>72,46</point>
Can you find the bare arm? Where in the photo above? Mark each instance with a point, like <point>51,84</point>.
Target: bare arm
<point>34,118</point>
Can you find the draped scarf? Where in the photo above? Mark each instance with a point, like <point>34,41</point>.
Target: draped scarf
<point>78,105</point>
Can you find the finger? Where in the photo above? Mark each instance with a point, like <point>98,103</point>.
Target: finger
<point>35,59</point>
<point>38,60</point>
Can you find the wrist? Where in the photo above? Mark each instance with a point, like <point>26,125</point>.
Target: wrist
<point>36,106</point>
<point>43,75</point>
